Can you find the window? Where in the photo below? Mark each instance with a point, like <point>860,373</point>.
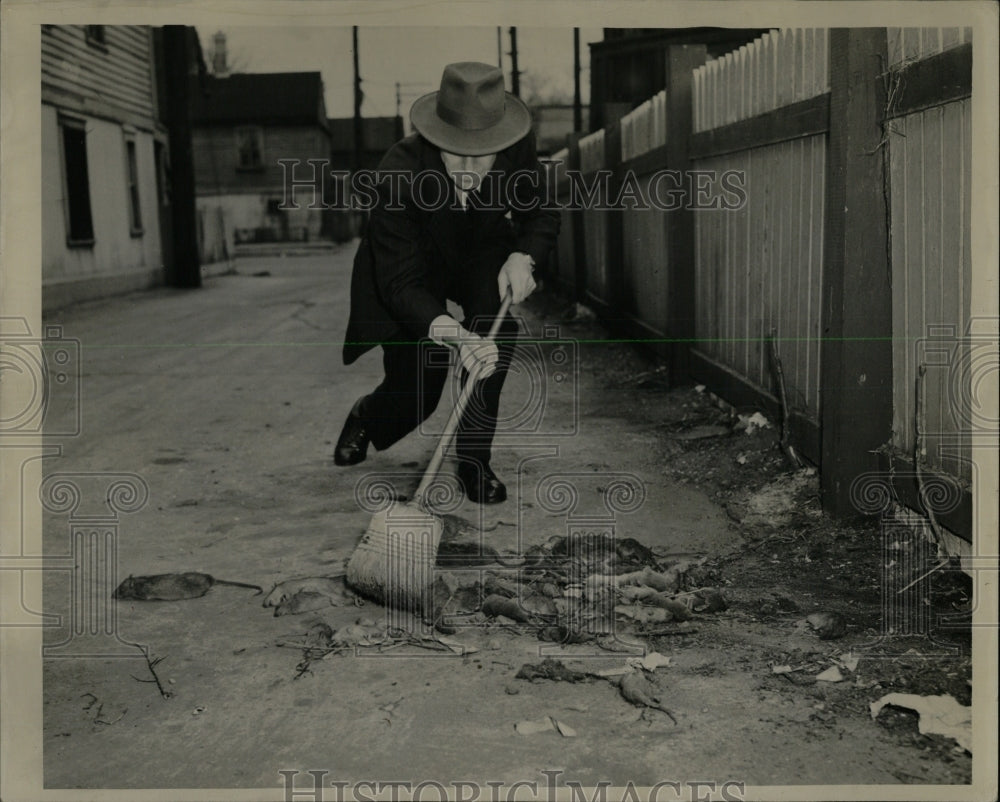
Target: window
<point>249,148</point>
<point>95,35</point>
<point>79,223</point>
<point>132,176</point>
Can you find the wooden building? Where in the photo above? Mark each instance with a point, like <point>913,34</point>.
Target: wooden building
<point>244,126</point>
<point>107,213</point>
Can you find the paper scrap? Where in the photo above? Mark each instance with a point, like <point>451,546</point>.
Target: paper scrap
<point>940,715</point>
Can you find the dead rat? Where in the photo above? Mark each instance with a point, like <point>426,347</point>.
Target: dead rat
<point>171,587</point>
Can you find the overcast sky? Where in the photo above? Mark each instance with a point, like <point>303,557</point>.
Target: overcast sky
<point>412,56</point>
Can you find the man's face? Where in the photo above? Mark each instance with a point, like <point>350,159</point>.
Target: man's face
<point>467,171</point>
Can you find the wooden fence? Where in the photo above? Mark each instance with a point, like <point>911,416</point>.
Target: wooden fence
<point>758,268</point>
<point>849,242</point>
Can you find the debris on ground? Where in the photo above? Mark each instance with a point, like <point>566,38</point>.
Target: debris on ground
<point>832,674</point>
<point>828,625</point>
<point>553,670</point>
<point>545,724</point>
<point>750,423</point>
<point>788,500</point>
<point>939,715</point>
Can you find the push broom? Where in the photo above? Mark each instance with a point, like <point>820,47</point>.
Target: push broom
<point>394,562</point>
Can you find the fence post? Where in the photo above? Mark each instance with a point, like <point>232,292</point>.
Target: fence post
<point>856,352</point>
<point>576,223</point>
<point>615,232</point>
<point>681,62</point>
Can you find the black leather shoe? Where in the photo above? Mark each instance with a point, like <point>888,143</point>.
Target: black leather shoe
<point>352,445</point>
<point>475,479</point>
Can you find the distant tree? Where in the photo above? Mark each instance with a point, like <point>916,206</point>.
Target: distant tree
<point>541,90</point>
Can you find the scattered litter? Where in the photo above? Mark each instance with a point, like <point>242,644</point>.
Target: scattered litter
<point>534,727</point>
<point>742,459</point>
<point>699,388</point>
<point>565,730</point>
<point>550,669</point>
<point>939,715</point>
<point>198,710</point>
<point>750,423</point>
<point>784,669</point>
<point>638,690</point>
<point>650,662</point>
<point>832,674</point>
<point>708,600</point>
<point>783,502</point>
<point>702,432</point>
<point>829,626</point>
<point>849,662</point>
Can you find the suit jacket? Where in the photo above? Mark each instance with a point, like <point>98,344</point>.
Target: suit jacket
<point>413,234</point>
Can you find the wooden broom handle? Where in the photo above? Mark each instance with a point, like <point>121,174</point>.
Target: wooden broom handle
<point>456,414</point>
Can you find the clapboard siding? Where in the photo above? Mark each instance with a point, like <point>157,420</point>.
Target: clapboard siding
<point>114,81</point>
<point>930,196</point>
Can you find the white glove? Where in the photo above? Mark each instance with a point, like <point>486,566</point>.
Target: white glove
<point>475,352</point>
<point>479,356</point>
<point>516,274</point>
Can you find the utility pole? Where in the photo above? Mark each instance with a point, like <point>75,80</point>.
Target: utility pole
<point>499,50</point>
<point>399,102</point>
<point>515,75</point>
<point>179,57</point>
<point>358,95</point>
<point>577,103</point>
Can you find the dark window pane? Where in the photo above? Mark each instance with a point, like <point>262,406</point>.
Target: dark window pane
<point>133,187</point>
<point>81,226</point>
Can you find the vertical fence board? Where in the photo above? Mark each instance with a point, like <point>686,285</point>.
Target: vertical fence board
<point>911,44</point>
<point>894,40</point>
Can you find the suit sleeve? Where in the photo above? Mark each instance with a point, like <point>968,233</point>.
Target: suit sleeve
<point>535,219</point>
<point>399,266</point>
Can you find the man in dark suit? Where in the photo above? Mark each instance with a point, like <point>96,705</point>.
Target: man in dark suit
<point>458,214</point>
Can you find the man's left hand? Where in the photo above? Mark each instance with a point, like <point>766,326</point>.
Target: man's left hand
<point>516,274</point>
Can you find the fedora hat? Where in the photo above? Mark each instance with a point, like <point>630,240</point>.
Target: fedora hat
<point>471,114</point>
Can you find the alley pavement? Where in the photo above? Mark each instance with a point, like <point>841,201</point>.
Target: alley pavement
<point>222,405</point>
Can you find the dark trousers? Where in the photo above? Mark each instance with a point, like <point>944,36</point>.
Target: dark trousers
<point>416,373</point>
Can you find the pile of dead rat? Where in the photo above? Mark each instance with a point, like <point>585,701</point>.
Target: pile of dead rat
<point>593,588</point>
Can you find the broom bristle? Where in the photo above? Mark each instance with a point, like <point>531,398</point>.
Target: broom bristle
<point>394,562</point>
